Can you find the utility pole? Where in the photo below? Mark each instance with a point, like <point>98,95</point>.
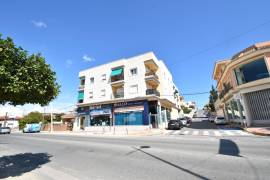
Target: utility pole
<point>51,118</point>
<point>5,123</point>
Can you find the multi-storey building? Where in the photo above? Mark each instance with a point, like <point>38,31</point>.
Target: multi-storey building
<point>243,84</point>
<point>138,91</point>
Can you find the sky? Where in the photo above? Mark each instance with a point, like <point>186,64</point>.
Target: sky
<point>188,35</point>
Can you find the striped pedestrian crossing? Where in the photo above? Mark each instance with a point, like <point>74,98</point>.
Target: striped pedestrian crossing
<point>217,133</point>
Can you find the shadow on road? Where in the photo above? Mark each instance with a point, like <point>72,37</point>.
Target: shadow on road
<point>140,149</point>
<point>16,165</point>
<point>228,147</point>
<point>204,124</point>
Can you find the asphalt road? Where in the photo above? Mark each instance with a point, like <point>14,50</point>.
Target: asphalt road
<point>40,156</point>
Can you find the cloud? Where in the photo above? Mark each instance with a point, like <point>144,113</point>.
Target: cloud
<point>39,24</point>
<point>68,63</point>
<point>87,58</point>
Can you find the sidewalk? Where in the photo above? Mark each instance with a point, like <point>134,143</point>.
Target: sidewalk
<point>117,134</point>
<point>262,131</point>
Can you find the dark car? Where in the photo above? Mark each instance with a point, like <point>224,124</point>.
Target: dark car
<point>174,124</point>
<point>5,130</point>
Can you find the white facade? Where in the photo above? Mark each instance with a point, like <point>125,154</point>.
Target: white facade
<point>101,89</point>
<point>141,79</point>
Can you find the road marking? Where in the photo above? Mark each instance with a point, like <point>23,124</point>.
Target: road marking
<point>185,132</point>
<point>217,133</point>
<point>176,132</point>
<point>195,132</point>
<point>229,133</point>
<point>205,133</point>
<point>243,133</point>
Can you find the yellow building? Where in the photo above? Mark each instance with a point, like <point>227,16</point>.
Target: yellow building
<point>243,85</point>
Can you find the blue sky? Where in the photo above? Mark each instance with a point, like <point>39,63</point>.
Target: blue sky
<point>75,35</point>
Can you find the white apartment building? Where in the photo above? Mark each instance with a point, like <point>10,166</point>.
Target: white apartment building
<point>137,91</point>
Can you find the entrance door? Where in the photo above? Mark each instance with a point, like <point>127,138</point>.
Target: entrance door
<point>82,119</point>
<point>153,120</point>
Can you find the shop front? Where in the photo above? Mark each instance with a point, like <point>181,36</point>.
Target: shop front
<point>131,113</point>
<point>82,118</point>
<point>101,115</point>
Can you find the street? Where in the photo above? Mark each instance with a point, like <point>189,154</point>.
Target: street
<point>173,155</point>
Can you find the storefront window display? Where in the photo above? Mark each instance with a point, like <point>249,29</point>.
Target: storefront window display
<point>129,118</point>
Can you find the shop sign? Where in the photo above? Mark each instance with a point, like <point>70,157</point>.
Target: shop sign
<point>97,112</point>
<point>131,103</point>
<point>82,111</point>
<point>100,106</point>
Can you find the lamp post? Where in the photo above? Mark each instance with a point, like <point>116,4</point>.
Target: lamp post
<point>51,119</point>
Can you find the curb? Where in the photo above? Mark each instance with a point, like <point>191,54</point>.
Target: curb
<point>257,133</point>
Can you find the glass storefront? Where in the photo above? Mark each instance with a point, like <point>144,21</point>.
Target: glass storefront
<point>129,118</point>
<point>101,117</point>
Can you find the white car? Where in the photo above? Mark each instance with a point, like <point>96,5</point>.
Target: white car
<point>5,130</point>
<point>220,120</point>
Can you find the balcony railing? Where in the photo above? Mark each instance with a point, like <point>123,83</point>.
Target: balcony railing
<point>151,74</point>
<point>117,78</point>
<point>115,96</point>
<point>81,87</point>
<point>152,92</point>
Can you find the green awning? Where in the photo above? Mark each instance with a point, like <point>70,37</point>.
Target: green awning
<point>80,95</point>
<point>116,72</point>
<point>82,77</point>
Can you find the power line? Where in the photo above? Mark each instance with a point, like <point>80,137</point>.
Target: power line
<point>198,93</point>
<point>226,40</point>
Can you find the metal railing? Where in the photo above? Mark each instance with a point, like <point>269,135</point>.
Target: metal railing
<point>152,92</point>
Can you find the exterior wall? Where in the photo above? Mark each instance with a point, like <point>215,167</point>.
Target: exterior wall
<point>166,87</point>
<point>239,92</point>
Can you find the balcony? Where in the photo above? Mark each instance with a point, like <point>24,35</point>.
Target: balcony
<point>117,76</point>
<point>81,87</point>
<point>152,92</point>
<point>151,78</point>
<point>116,96</point>
<point>151,64</point>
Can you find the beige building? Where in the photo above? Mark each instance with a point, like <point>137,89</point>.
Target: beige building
<point>136,91</point>
<point>243,84</point>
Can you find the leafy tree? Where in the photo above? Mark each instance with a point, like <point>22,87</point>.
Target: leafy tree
<point>212,99</point>
<point>25,78</point>
<point>33,117</point>
<point>186,110</point>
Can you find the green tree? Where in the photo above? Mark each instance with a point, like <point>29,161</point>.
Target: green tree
<point>212,99</point>
<point>186,110</point>
<point>33,117</point>
<point>25,78</point>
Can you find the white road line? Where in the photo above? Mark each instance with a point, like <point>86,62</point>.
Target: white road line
<point>195,133</point>
<point>243,133</point>
<point>176,132</point>
<point>217,133</point>
<point>205,133</point>
<point>185,132</point>
<point>229,133</point>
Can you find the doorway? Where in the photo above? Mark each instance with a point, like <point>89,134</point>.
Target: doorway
<point>82,120</point>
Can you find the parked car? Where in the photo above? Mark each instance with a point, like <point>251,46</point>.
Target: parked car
<point>211,118</point>
<point>5,130</point>
<point>30,128</point>
<point>184,120</point>
<point>220,120</point>
<point>174,124</point>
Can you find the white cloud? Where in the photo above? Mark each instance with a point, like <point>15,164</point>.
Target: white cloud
<point>87,58</point>
<point>39,24</point>
<point>68,63</point>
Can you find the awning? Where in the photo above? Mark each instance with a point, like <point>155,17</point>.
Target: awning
<point>80,95</point>
<point>116,72</point>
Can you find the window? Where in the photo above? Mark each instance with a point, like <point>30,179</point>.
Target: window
<point>82,81</point>
<point>91,94</point>
<point>92,80</point>
<point>133,71</point>
<point>80,96</point>
<point>103,93</point>
<point>252,71</point>
<point>133,89</point>
<point>103,77</point>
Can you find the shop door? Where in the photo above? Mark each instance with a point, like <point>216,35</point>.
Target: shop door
<point>259,105</point>
<point>82,122</point>
<point>153,120</point>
